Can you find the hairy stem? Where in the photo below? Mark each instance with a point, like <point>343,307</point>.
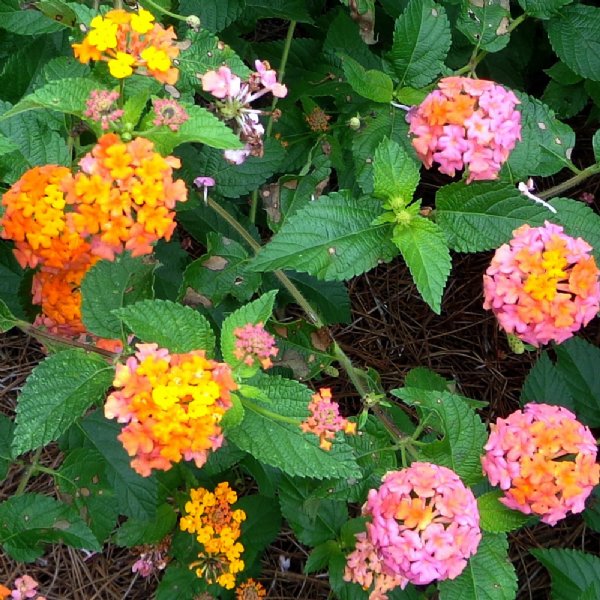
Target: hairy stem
<point>572,182</point>
<point>29,472</point>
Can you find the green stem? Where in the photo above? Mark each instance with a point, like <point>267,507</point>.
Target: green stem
<point>164,11</point>
<point>284,58</point>
<point>572,182</point>
<point>121,99</point>
<point>29,472</point>
<point>268,413</point>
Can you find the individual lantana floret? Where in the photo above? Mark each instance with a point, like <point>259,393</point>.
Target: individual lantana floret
<point>325,419</point>
<point>125,195</point>
<point>233,104</point>
<point>424,526</point>
<point>172,405</point>
<point>131,42</point>
<point>544,460</point>
<point>153,558</point>
<point>209,516</point>
<point>543,285</point>
<point>253,344</point>
<point>466,123</point>
<point>101,107</point>
<point>250,590</point>
<point>169,113</point>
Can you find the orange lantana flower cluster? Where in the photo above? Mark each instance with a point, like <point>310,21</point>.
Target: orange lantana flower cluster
<point>172,405</point>
<point>250,590</point>
<point>131,42</point>
<point>217,528</point>
<point>63,223</point>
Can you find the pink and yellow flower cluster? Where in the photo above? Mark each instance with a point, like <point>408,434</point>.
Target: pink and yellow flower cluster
<point>131,42</point>
<point>209,516</point>
<point>253,344</point>
<point>543,285</point>
<point>172,405</point>
<point>544,460</point>
<point>325,419</point>
<point>424,526</point>
<point>466,123</point>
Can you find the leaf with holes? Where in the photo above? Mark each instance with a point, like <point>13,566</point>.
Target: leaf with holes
<point>178,328</point>
<point>58,391</point>
<point>485,24</point>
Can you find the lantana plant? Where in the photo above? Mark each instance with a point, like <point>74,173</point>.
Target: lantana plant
<point>187,188</point>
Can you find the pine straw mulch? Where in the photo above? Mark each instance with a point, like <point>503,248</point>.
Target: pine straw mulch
<point>393,331</point>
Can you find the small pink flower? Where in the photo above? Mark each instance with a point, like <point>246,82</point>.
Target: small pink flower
<point>424,526</point>
<point>169,113</point>
<point>221,83</point>
<point>254,344</point>
<point>101,108</point>
<point>25,587</point>
<point>268,77</point>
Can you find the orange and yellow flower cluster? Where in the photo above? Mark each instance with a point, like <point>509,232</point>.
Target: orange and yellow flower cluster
<point>131,42</point>
<point>544,460</point>
<point>217,527</point>
<point>250,590</point>
<point>172,405</point>
<point>543,285</point>
<point>63,223</point>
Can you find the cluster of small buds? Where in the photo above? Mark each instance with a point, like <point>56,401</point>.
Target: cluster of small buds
<point>209,516</point>
<point>233,104</point>
<point>250,590</point>
<point>543,285</point>
<point>131,42</point>
<point>153,558</point>
<point>466,123</point>
<point>24,588</point>
<point>318,120</point>
<point>253,344</point>
<point>172,405</point>
<point>101,107</point>
<point>325,419</point>
<point>544,460</point>
<point>424,526</point>
<point>63,223</point>
<point>169,113</point>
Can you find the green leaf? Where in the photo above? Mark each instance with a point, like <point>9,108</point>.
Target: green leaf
<point>572,572</point>
<point>295,453</point>
<point>482,216</point>
<point>282,9</point>
<point>179,582</point>
<point>215,15</point>
<point>544,383</point>
<point>424,248</point>
<point>464,435</point>
<point>426,379</point>
<point>371,84</point>
<point>6,437</point>
<point>18,20</point>
<point>575,37</point>
<point>62,67</point>
<point>578,363</point>
<point>222,270</point>
<point>82,478</point>
<point>7,319</point>
<point>7,145</point>
<point>178,328</point>
<point>313,520</point>
<point>496,517</point>
<point>489,575</point>
<point>555,139</point>
<point>396,175</point>
<point>108,286</point>
<point>421,42</point>
<point>596,145</point>
<point>58,391</point>
<point>12,278</point>
<point>135,532</point>
<point>485,24</point>
<point>331,238</point>
<point>565,100</point>
<point>591,515</point>
<point>136,496</point>
<point>318,559</point>
<point>64,95</point>
<point>258,311</point>
<point>201,127</point>
<point>543,9</point>
<point>30,520</point>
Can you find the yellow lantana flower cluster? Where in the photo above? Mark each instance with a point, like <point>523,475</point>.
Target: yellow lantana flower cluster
<point>172,405</point>
<point>217,527</point>
<point>131,42</point>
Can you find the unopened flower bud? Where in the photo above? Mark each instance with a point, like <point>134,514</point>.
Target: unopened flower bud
<point>193,22</point>
<point>354,123</point>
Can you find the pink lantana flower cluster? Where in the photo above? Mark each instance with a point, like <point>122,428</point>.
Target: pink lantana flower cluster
<point>325,419</point>
<point>233,104</point>
<point>424,527</point>
<point>24,588</point>
<point>466,123</point>
<point>544,460</point>
<point>168,113</point>
<point>543,285</point>
<point>253,344</point>
<point>101,107</point>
